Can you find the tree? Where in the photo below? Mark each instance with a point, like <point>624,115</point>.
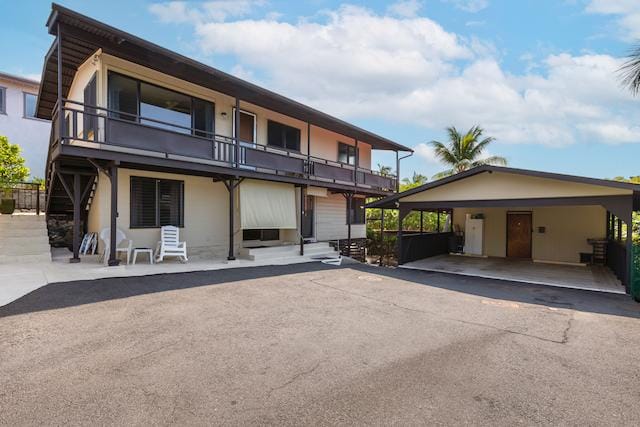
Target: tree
<point>630,71</point>
<point>416,180</point>
<point>464,152</point>
<point>384,170</point>
<point>12,168</point>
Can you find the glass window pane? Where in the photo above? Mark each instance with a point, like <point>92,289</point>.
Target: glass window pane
<point>30,105</point>
<point>123,97</point>
<point>3,94</point>
<point>143,202</point>
<point>292,138</point>
<point>203,118</point>
<point>170,203</point>
<point>274,134</point>
<point>165,106</point>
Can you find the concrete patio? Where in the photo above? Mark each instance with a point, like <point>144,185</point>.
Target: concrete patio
<point>593,278</point>
<point>18,279</point>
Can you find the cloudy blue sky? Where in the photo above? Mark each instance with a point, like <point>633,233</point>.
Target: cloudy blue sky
<point>539,76</point>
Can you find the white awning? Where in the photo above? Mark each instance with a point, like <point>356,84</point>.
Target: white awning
<point>265,204</point>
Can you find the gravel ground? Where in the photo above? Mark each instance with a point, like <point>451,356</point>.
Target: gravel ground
<point>318,345</point>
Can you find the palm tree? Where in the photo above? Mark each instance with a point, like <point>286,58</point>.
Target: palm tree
<point>416,180</point>
<point>464,152</point>
<point>384,170</point>
<point>630,71</point>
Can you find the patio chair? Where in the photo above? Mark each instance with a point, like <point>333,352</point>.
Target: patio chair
<point>170,244</point>
<point>105,236</point>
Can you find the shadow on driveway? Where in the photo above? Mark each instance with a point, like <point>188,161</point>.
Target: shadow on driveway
<point>69,294</point>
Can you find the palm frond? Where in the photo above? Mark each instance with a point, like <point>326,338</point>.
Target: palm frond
<point>443,153</point>
<point>630,71</point>
<point>443,174</point>
<point>492,160</point>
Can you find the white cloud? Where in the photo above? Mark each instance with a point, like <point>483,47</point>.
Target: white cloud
<point>425,152</point>
<point>197,12</point>
<point>471,6</point>
<point>405,8</point>
<point>411,70</point>
<point>627,14</point>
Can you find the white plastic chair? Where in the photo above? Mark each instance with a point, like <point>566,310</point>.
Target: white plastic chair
<point>105,236</point>
<point>170,244</point>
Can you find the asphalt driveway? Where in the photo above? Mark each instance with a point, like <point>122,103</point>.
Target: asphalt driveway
<point>320,345</point>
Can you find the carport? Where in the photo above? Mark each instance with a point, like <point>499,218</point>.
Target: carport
<point>524,225</point>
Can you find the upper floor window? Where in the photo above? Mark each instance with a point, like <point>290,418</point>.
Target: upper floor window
<point>3,100</point>
<point>152,105</point>
<point>280,135</point>
<point>346,153</point>
<point>30,101</point>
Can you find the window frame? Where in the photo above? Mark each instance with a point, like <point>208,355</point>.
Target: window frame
<point>24,106</point>
<point>157,202</point>
<point>138,116</point>
<point>3,97</point>
<point>255,124</point>
<point>355,219</point>
<point>277,147</point>
<point>355,153</point>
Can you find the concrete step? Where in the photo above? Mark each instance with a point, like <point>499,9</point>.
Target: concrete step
<point>35,248</point>
<point>21,259</point>
<point>22,232</point>
<point>286,251</point>
<point>21,218</point>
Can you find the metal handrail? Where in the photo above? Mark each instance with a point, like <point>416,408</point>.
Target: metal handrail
<point>104,114</point>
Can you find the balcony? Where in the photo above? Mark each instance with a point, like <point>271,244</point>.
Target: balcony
<point>105,129</point>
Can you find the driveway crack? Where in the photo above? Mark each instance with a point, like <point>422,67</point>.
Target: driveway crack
<point>295,378</point>
<point>564,339</point>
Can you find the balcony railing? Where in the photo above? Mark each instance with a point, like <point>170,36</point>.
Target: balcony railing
<point>120,129</point>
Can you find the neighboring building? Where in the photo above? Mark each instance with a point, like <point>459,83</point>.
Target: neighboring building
<point>18,121</point>
<point>518,214</point>
<point>156,133</point>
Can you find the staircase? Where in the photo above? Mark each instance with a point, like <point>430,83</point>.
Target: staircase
<point>311,251</point>
<point>24,239</point>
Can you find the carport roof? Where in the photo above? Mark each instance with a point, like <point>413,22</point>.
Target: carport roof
<point>392,202</point>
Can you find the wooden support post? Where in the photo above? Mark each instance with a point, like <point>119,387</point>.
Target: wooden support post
<point>608,225</point>
<point>231,186</point>
<point>113,175</point>
<point>397,172</point>
<point>302,204</point>
<point>349,213</point>
<point>61,118</point>
<point>309,167</point>
<point>236,125</point>
<point>629,245</point>
<point>76,219</point>
<point>421,222</point>
<point>438,221</point>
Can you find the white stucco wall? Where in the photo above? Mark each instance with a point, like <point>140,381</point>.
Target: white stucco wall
<point>567,229</point>
<point>32,135</point>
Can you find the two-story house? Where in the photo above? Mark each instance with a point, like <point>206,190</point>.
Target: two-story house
<point>18,121</point>
<point>144,137</point>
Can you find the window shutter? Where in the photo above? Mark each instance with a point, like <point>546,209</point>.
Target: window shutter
<point>143,202</point>
<point>170,203</point>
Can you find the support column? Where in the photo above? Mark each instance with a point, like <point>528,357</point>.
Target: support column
<point>629,246</point>
<point>608,225</point>
<point>76,219</point>
<point>438,221</point>
<point>61,118</point>
<point>381,224</point>
<point>349,207</point>
<point>237,133</point>
<point>397,172</point>
<point>421,222</point>
<point>231,187</point>
<point>302,204</point>
<point>401,214</point>
<point>113,175</point>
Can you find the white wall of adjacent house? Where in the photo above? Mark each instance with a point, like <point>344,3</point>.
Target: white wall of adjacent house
<point>566,230</point>
<point>31,134</point>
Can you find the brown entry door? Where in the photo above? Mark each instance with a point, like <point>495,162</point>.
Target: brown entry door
<point>519,234</point>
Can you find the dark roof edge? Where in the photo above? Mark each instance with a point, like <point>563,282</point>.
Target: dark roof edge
<point>19,79</point>
<point>57,11</point>
<point>390,200</point>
